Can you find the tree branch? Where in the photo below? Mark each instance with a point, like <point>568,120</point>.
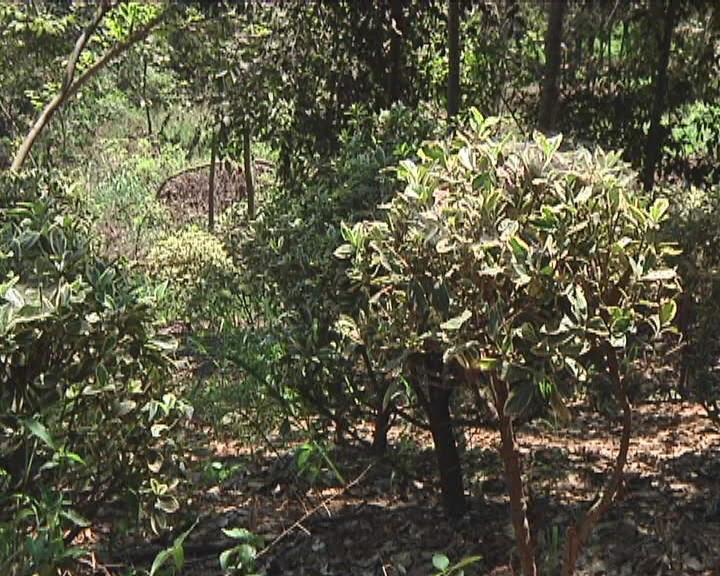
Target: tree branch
<point>70,84</point>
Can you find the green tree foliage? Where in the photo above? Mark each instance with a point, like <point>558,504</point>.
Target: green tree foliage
<point>539,271</point>
<point>287,255</point>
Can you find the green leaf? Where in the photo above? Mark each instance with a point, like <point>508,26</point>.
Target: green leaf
<point>124,407</point>
<point>457,322</point>
<point>584,195</point>
<point>344,252</point>
<point>73,457</point>
<point>485,364</point>
<point>168,504</point>
<point>160,559</point>
<point>390,392</point>
<point>465,562</point>
<point>668,310</point>
<point>440,561</point>
<point>178,557</point>
<point>347,327</point>
<point>579,304</point>
<point>444,246</point>
<point>466,158</point>
<point>247,553</point>
<point>75,518</point>
<point>225,557</point>
<point>39,430</point>
<point>15,298</point>
<point>164,555</point>
<point>519,247</point>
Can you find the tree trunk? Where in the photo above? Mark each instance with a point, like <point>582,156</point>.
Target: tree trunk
<point>211,181</point>
<point>248,169</point>
<point>453,58</point>
<point>446,451</point>
<point>553,59</point>
<point>513,474</point>
<point>145,102</point>
<point>655,134</point>
<point>71,85</point>
<point>395,72</point>
<point>382,412</point>
<point>380,431</point>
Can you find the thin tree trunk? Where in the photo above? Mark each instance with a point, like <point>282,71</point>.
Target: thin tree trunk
<point>397,29</point>
<point>655,134</point>
<point>211,181</point>
<point>453,58</point>
<point>513,475</point>
<point>578,534</point>
<point>623,40</point>
<point>382,412</point>
<point>510,15</point>
<point>248,169</point>
<point>71,85</point>
<point>145,102</point>
<point>590,66</point>
<point>553,60</point>
<point>446,451</point>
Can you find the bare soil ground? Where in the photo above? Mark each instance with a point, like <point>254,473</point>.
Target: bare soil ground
<point>186,194</point>
<point>389,522</point>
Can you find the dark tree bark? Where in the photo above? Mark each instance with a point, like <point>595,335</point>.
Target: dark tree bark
<point>146,103</point>
<point>395,73</point>
<point>655,134</point>
<point>248,169</point>
<point>381,423</point>
<point>211,182</point>
<point>437,405</point>
<point>453,58</point>
<point>553,58</point>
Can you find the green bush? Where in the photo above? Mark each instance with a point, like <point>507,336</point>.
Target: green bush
<point>530,268</point>
<point>86,416</point>
<point>201,279</point>
<point>696,226</point>
<point>287,263</point>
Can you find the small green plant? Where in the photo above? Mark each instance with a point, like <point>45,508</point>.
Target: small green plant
<point>538,272</point>
<point>312,460</point>
<point>441,563</point>
<point>169,562</point>
<point>83,395</point>
<point>216,472</point>
<point>240,560</point>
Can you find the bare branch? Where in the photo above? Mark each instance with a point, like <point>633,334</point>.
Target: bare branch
<point>70,84</point>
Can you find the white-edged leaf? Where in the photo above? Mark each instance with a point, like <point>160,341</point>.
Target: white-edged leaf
<point>659,275</point>
<point>457,322</point>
